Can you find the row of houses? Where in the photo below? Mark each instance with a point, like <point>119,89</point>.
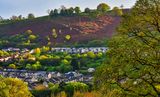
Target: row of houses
<point>33,77</point>
<point>58,49</point>
<point>8,58</point>
<point>80,50</point>
<point>63,49</point>
<point>11,49</point>
<point>17,53</point>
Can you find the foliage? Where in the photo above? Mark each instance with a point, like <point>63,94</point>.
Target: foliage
<point>54,33</point>
<point>45,49</point>
<point>29,32</point>
<point>89,94</point>
<point>54,88</point>
<point>133,68</point>
<point>71,11</point>
<point>68,37</point>
<point>3,53</point>
<point>65,62</point>
<point>103,7</point>
<point>117,11</point>
<point>28,67</point>
<point>32,37</point>
<point>37,51</point>
<point>77,10</point>
<point>53,13</point>
<point>91,54</point>
<point>44,59</point>
<point>12,66</point>
<point>87,10</point>
<point>40,87</point>
<point>97,43</point>
<point>72,87</point>
<point>36,66</point>
<point>41,93</point>
<point>10,87</point>
<point>31,16</point>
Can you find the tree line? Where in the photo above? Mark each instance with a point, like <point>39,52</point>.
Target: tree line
<point>63,11</point>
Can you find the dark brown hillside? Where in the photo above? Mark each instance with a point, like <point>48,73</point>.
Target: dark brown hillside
<point>80,28</point>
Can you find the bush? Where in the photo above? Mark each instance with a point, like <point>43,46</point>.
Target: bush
<point>72,87</point>
<point>32,37</point>
<point>13,87</point>
<point>12,66</point>
<point>65,62</point>
<point>31,16</point>
<point>97,43</point>
<point>91,55</point>
<point>41,93</point>
<point>68,37</point>
<point>103,7</point>
<point>117,12</point>
<point>54,88</point>
<point>63,68</point>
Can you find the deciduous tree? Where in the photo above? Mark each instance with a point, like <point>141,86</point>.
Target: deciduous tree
<point>12,87</point>
<point>134,54</point>
<point>103,7</point>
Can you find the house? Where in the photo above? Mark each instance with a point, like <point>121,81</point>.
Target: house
<point>80,50</point>
<point>90,70</point>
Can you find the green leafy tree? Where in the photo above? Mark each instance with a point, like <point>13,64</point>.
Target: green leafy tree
<point>31,16</point>
<point>72,87</point>
<point>56,12</point>
<point>32,37</point>
<point>87,10</point>
<point>77,10</point>
<point>65,62</point>
<point>133,66</point>
<point>28,66</point>
<point>51,13</point>
<point>36,66</point>
<point>103,7</point>
<point>14,18</point>
<point>71,11</point>
<point>45,49</point>
<point>117,11</point>
<point>63,12</point>
<point>91,54</point>
<point>1,19</point>
<point>12,66</point>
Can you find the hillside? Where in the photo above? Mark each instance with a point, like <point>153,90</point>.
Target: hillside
<point>80,28</point>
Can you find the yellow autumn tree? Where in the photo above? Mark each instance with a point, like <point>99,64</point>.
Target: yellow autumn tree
<point>13,87</point>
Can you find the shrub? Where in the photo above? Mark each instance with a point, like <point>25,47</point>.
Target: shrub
<point>68,37</point>
<point>41,93</point>
<point>32,37</point>
<point>13,87</point>
<point>103,7</point>
<point>65,62</point>
<point>12,66</point>
<point>72,87</point>
<point>91,54</point>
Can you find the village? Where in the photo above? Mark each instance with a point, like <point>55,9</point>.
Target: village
<point>81,50</point>
<point>19,52</point>
<point>35,77</point>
